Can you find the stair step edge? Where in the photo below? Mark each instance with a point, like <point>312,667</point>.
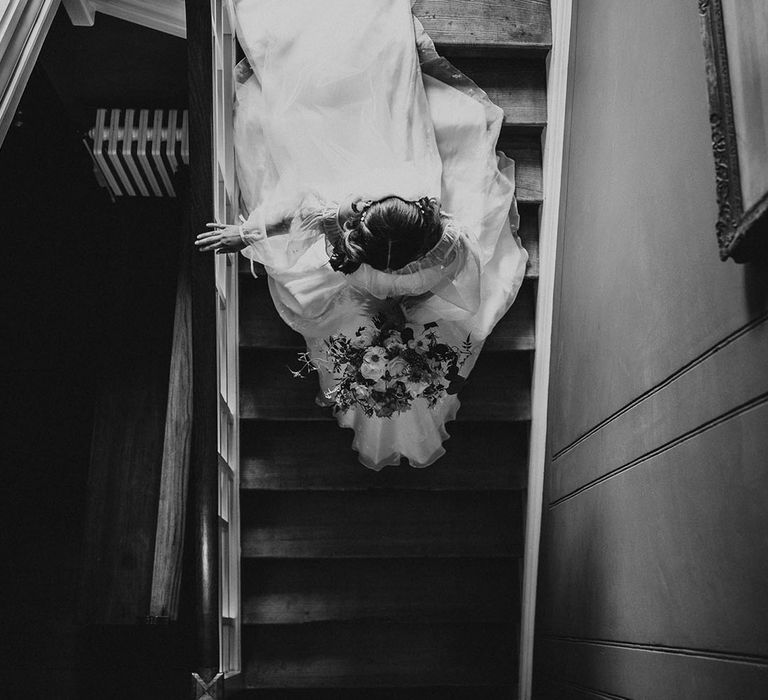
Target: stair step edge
<point>512,555</point>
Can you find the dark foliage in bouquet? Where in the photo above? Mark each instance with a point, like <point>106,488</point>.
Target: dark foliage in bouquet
<point>385,367</point>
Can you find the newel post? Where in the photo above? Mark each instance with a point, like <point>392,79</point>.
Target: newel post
<point>203,478</point>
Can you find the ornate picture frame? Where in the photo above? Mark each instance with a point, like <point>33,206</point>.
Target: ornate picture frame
<point>738,115</point>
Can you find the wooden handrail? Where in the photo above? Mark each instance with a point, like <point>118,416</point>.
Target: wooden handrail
<point>174,475</point>
<point>203,477</point>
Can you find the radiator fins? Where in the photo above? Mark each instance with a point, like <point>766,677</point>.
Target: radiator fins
<point>137,152</point>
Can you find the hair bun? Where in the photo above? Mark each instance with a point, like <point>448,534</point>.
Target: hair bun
<point>346,255</point>
<point>388,234</point>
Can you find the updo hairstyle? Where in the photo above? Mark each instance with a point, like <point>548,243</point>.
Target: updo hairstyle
<point>388,234</point>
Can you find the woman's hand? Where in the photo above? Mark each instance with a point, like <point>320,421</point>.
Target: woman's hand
<point>224,238</point>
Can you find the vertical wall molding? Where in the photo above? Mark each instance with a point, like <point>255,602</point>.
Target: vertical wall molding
<point>24,25</point>
<point>558,84</point>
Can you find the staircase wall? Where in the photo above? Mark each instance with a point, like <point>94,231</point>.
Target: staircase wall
<point>654,547</point>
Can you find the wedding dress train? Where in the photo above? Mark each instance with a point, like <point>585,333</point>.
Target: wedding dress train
<point>346,97</point>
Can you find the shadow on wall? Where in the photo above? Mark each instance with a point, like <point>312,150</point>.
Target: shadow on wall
<point>756,285</point>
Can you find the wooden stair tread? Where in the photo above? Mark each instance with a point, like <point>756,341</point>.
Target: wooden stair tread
<point>316,524</point>
<point>525,150</point>
<point>497,389</point>
<point>298,591</point>
<point>261,326</point>
<point>420,692</point>
<point>343,654</point>
<point>529,235</point>
<point>486,26</point>
<point>285,456</point>
<point>521,92</point>
<point>515,331</point>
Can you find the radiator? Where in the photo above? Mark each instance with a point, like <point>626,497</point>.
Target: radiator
<point>137,151</point>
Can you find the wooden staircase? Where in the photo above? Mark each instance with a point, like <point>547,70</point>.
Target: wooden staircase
<point>403,583</point>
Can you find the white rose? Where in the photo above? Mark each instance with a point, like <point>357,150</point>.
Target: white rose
<point>362,392</point>
<point>374,363</point>
<point>397,367</point>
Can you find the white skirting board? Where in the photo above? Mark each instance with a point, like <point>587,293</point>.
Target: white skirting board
<point>558,85</point>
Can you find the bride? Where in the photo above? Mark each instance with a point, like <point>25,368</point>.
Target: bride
<point>367,170</point>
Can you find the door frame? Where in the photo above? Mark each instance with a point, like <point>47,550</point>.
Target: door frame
<point>23,27</point>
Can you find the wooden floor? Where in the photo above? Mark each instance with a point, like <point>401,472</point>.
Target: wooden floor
<point>406,582</point>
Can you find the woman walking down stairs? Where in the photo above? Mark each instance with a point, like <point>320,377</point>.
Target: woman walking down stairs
<point>403,582</point>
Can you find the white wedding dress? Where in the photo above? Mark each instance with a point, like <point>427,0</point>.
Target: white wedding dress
<point>349,97</point>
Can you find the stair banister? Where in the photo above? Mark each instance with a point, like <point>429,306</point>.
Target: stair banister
<point>203,477</point>
<point>226,209</point>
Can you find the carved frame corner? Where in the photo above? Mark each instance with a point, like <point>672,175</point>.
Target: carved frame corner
<point>727,177</point>
<point>740,234</point>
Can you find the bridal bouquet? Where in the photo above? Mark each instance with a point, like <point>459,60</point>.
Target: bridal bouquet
<point>384,368</point>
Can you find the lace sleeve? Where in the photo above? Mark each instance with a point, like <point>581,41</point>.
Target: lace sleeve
<point>320,215</point>
<point>278,236</point>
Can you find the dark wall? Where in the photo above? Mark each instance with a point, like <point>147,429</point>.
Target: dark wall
<point>655,539</point>
<point>113,64</point>
<point>53,224</point>
<point>88,291</point>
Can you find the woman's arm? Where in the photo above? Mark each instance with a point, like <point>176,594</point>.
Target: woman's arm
<point>223,238</point>
<point>311,213</point>
<point>231,238</point>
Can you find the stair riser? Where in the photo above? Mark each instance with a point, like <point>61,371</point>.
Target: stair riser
<point>498,389</point>
<point>521,94</point>
<point>284,456</point>
<point>298,591</point>
<point>261,327</point>
<point>486,27</point>
<point>381,524</point>
<point>344,655</point>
